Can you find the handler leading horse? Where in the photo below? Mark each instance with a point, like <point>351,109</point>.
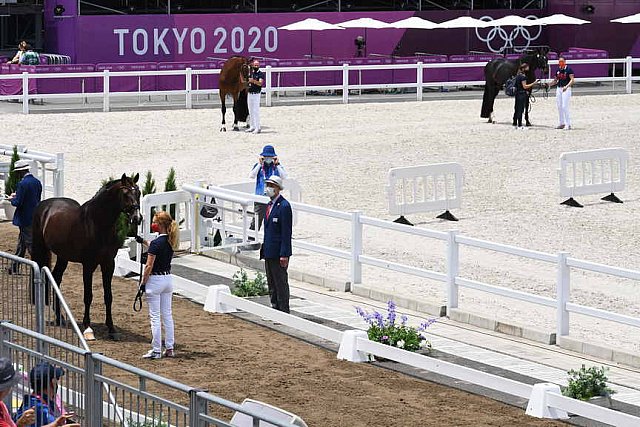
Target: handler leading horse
<point>86,234</point>
<point>234,78</point>
<point>499,70</point>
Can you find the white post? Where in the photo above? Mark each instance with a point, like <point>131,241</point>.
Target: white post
<point>345,83</point>
<point>58,181</point>
<point>453,266</point>
<point>187,86</point>
<point>105,91</point>
<point>356,248</point>
<point>419,81</point>
<point>25,93</point>
<point>563,286</point>
<point>268,87</point>
<point>629,72</point>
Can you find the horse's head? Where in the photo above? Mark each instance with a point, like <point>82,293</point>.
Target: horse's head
<point>245,70</point>
<point>538,59</point>
<point>130,198</point>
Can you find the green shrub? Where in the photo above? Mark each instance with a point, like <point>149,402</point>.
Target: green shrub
<point>170,185</point>
<point>149,184</point>
<point>385,330</point>
<point>587,383</point>
<point>244,287</point>
<point>11,183</point>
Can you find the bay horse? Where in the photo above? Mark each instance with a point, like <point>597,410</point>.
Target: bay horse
<point>234,79</point>
<point>86,234</point>
<point>499,70</point>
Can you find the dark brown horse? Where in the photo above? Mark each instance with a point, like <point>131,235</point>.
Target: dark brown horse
<point>234,78</point>
<point>86,234</point>
<point>499,70</point>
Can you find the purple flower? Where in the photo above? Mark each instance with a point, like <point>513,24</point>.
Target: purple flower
<point>391,316</point>
<point>425,325</point>
<point>378,318</point>
<point>384,338</point>
<point>404,319</point>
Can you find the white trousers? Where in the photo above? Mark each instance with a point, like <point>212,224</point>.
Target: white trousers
<point>253,101</point>
<point>159,290</point>
<point>562,100</point>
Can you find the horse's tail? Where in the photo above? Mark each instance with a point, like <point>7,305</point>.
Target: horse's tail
<point>40,253</point>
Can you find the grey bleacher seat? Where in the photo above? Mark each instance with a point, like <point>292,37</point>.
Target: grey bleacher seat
<point>242,420</point>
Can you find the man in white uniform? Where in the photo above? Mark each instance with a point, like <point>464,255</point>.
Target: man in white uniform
<point>256,80</point>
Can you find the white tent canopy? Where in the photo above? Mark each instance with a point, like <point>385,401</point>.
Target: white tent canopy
<point>310,24</point>
<point>364,23</point>
<point>631,19</point>
<point>561,19</point>
<point>415,23</point>
<point>464,22</point>
<point>513,21</point>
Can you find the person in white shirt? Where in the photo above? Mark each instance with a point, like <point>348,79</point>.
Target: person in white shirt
<point>22,48</point>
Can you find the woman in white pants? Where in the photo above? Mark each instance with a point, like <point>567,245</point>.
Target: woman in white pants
<point>158,286</point>
<point>564,79</point>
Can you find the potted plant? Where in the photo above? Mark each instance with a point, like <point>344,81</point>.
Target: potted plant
<point>245,287</point>
<point>10,185</point>
<point>385,330</point>
<point>589,384</point>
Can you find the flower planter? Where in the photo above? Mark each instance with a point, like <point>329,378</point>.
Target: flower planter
<point>424,352</point>
<point>604,401</point>
<point>9,210</point>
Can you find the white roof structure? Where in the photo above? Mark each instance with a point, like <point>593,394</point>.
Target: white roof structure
<point>415,23</point>
<point>513,21</point>
<point>464,22</point>
<point>561,19</point>
<point>310,24</point>
<point>364,23</point>
<point>631,19</point>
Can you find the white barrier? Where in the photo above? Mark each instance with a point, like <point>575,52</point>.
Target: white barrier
<point>424,188</point>
<point>47,167</point>
<point>592,172</point>
<point>272,85</point>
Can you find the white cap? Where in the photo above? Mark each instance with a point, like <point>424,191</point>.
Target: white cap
<point>275,179</point>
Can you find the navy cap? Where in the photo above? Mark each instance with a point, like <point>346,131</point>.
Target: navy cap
<point>268,151</point>
<point>44,372</point>
<point>8,375</point>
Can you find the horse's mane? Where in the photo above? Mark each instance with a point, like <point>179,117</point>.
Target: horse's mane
<point>104,188</point>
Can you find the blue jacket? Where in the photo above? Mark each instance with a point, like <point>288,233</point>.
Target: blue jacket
<point>27,197</point>
<point>44,409</point>
<point>277,230</point>
<point>265,172</point>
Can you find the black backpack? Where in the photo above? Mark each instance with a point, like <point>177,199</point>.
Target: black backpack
<point>510,86</point>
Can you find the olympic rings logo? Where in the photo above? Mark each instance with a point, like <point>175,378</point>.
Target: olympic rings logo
<point>498,39</point>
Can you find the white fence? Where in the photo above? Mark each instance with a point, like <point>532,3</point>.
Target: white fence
<point>272,84</point>
<point>49,168</point>
<point>424,188</point>
<point>450,277</point>
<point>593,172</point>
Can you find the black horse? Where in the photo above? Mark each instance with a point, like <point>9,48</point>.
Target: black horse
<point>86,234</point>
<point>498,71</point>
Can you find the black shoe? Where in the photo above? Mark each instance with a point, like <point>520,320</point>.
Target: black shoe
<point>515,123</point>
<point>528,124</point>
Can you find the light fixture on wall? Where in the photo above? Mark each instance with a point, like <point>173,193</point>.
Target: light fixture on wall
<point>589,9</point>
<point>58,10</point>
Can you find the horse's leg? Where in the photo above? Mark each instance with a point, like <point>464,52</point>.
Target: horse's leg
<point>107,268</point>
<point>488,98</point>
<point>87,279</point>
<point>58,271</point>
<point>223,95</point>
<point>235,114</point>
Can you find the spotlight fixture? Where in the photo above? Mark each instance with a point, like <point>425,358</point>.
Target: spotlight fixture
<point>589,9</point>
<point>58,10</point>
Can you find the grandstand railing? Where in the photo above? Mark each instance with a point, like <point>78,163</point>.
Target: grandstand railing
<point>143,397</point>
<point>272,87</point>
<point>450,277</point>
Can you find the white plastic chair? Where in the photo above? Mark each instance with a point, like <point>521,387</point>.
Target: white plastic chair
<point>242,420</point>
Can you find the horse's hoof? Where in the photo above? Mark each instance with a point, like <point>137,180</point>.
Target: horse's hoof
<point>223,129</point>
<point>236,129</point>
<point>88,334</point>
<point>528,124</point>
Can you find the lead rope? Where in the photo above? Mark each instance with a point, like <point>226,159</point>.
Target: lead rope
<point>137,302</point>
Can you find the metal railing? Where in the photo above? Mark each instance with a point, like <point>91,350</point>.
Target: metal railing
<point>272,85</point>
<point>142,397</point>
<point>450,276</point>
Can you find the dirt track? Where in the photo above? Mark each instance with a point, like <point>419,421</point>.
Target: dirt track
<point>236,359</point>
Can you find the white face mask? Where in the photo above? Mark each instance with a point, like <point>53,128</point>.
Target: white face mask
<point>268,160</point>
<point>270,192</point>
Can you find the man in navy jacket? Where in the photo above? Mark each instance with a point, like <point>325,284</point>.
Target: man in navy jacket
<point>276,248</point>
<point>25,199</point>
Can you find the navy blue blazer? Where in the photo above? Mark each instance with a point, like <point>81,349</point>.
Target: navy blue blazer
<point>277,230</point>
<point>27,197</point>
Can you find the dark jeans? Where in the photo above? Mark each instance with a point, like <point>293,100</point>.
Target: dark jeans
<point>521,102</point>
<point>278,281</point>
<point>24,244</point>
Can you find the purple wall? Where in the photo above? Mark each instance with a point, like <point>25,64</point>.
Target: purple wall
<point>175,38</point>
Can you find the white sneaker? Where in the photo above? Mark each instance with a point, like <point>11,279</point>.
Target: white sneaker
<point>249,130</point>
<point>152,355</point>
<point>567,128</point>
<point>256,131</point>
